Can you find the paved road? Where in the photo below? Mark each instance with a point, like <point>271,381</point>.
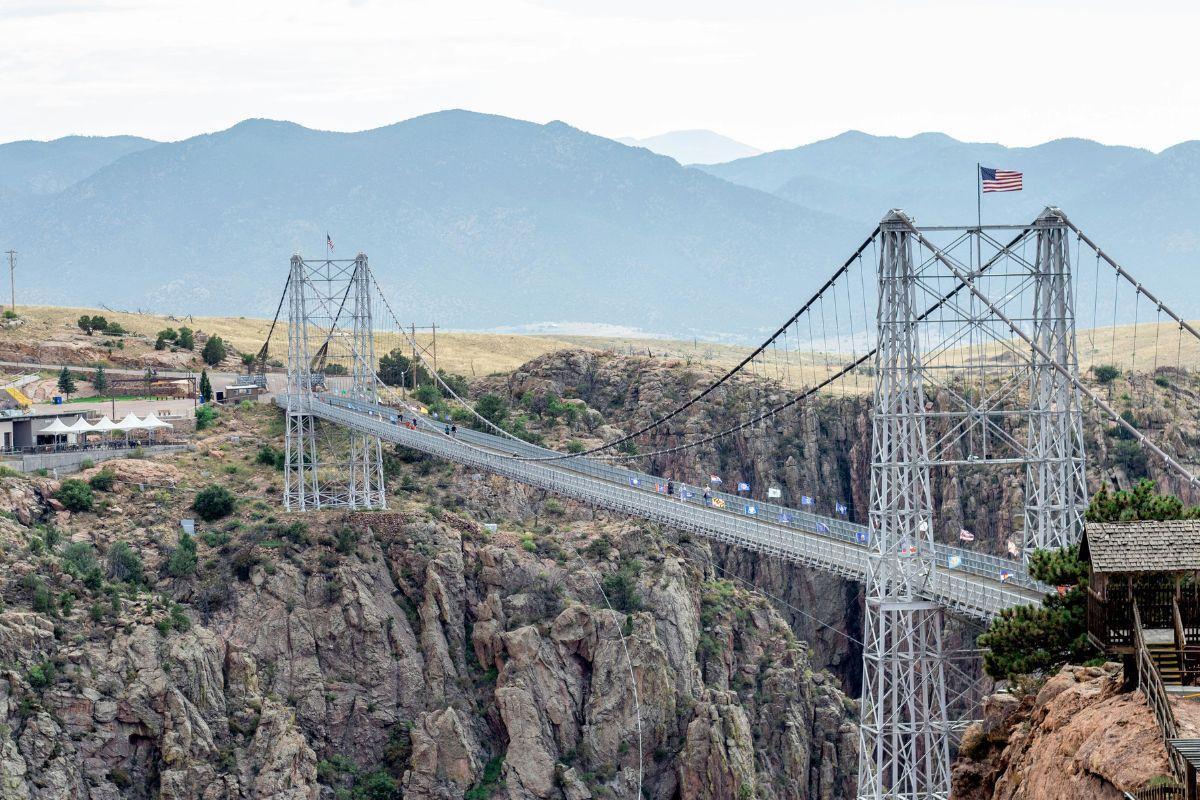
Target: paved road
<point>178,406</point>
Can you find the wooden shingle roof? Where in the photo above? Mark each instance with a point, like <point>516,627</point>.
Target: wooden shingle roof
<point>1143,546</point>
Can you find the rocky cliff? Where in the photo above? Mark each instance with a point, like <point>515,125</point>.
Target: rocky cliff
<point>1077,737</point>
<point>414,653</point>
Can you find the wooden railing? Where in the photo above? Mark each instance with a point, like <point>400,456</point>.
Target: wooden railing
<point>1189,611</point>
<point>1156,697</point>
<point>1158,793</point>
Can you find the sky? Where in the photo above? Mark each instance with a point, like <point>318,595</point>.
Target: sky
<point>770,73</point>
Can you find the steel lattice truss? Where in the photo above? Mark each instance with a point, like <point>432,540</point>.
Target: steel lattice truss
<point>329,466</point>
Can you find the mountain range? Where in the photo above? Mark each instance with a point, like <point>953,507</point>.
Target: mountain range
<point>478,221</point>
<point>694,146</point>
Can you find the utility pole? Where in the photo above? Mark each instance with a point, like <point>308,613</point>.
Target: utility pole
<point>434,326</point>
<point>412,328</point>
<point>12,281</point>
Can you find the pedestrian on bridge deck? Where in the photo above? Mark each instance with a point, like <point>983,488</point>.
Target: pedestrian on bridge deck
<point>707,496</point>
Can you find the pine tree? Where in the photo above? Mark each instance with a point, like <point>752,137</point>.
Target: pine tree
<point>66,382</point>
<point>100,380</point>
<point>214,351</point>
<point>206,392</point>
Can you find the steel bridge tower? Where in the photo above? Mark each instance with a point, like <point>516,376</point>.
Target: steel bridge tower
<point>1055,484</point>
<point>904,749</point>
<point>318,471</point>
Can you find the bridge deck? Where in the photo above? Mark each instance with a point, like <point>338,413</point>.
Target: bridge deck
<point>973,587</point>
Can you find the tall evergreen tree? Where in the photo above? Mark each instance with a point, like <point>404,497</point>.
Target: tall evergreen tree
<point>66,382</point>
<point>206,391</point>
<point>100,380</point>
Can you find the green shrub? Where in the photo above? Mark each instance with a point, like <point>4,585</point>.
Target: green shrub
<point>489,782</point>
<point>621,587</point>
<point>124,564</point>
<point>75,495</point>
<point>493,408</point>
<point>41,675</point>
<point>102,481</point>
<point>270,456</point>
<point>182,561</point>
<point>79,559</point>
<point>1105,373</point>
<point>205,416</point>
<point>213,502</point>
<point>40,598</point>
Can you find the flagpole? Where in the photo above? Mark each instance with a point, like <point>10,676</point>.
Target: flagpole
<point>978,214</point>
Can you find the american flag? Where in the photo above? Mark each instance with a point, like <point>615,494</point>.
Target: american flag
<point>1000,180</point>
<point>329,242</point>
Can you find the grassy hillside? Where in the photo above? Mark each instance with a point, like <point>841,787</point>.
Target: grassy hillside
<point>52,331</point>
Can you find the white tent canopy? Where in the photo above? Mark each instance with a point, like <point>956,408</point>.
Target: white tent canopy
<point>104,425</point>
<point>152,422</point>
<point>130,423</point>
<point>80,425</point>
<point>54,428</point>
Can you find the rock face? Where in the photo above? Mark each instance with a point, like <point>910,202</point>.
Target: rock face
<point>404,654</point>
<point>819,448</point>
<point>1078,738</point>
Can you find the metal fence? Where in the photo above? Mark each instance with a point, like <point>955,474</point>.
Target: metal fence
<point>974,586</point>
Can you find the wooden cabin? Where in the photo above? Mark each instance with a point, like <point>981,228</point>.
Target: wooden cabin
<point>1144,586</point>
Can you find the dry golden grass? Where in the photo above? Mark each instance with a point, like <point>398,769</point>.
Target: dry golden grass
<point>480,354</point>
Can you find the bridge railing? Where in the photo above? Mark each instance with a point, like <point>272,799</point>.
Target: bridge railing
<point>947,556</point>
<point>975,596</point>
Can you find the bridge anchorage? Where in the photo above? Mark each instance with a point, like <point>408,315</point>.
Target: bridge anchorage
<point>973,366</point>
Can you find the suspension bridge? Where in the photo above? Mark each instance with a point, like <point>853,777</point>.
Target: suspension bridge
<point>964,341</point>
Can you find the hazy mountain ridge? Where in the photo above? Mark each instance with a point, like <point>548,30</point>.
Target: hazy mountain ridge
<point>694,146</point>
<point>472,220</point>
<point>481,221</point>
<point>1139,206</point>
<point>38,168</point>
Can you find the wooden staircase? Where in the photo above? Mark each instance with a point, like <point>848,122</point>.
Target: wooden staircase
<point>1165,656</point>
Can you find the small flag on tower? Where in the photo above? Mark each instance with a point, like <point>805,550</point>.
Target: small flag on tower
<point>329,242</point>
<point>840,508</point>
<point>715,479</point>
<point>743,487</point>
<point>999,180</point>
<point>805,500</point>
<point>774,491</point>
<point>965,535</point>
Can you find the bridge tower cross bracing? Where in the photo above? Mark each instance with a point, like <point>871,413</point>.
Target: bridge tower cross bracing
<point>366,489</point>
<point>904,732</point>
<point>301,490</point>
<point>1055,483</point>
<point>330,467</point>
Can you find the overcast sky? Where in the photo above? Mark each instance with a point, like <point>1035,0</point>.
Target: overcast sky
<point>771,74</point>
